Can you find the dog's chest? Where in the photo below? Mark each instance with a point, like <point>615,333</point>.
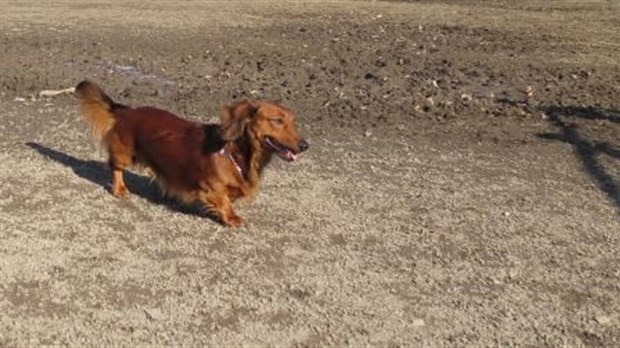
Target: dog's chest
<point>235,192</point>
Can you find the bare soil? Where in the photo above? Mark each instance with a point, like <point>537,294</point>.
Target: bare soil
<point>462,187</point>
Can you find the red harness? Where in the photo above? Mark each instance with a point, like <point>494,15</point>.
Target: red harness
<point>237,162</point>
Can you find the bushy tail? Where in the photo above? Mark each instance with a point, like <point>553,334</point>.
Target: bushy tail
<point>97,108</point>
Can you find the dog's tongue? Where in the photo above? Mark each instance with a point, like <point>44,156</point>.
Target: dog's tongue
<point>290,156</point>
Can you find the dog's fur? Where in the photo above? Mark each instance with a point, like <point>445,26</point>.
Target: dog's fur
<point>212,165</point>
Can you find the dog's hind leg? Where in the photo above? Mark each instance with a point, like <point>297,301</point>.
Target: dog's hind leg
<point>219,204</point>
<point>118,184</point>
<point>121,157</point>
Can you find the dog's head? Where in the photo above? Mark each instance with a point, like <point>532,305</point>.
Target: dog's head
<point>268,124</point>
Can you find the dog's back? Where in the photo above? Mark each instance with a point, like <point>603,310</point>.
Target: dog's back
<point>168,144</point>
<point>147,134</point>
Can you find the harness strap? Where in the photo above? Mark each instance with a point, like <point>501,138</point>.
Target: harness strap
<point>224,152</point>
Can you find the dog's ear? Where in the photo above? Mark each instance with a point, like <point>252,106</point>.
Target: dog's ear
<point>234,118</point>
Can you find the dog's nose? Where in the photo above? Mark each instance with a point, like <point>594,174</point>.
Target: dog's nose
<point>303,145</point>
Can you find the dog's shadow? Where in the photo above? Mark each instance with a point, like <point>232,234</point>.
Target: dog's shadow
<point>98,173</point>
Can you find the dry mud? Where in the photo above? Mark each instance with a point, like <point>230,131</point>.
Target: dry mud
<point>462,188</point>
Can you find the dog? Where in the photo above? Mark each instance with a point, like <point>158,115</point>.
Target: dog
<point>209,164</point>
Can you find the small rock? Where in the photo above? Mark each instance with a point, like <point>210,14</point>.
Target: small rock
<point>367,134</point>
<point>466,97</point>
<point>529,91</point>
<point>379,16</point>
<point>20,99</point>
<point>513,273</point>
<point>544,116</point>
<point>52,93</point>
<point>506,213</point>
<point>603,319</point>
<point>298,292</point>
<point>153,314</point>
<point>434,84</point>
<point>418,322</point>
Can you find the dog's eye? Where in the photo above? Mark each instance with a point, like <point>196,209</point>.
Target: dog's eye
<point>277,121</point>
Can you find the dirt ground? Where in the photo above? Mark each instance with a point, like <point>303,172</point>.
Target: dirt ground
<point>462,187</point>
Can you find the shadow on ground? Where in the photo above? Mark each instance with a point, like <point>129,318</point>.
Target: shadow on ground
<point>98,173</point>
<point>587,150</point>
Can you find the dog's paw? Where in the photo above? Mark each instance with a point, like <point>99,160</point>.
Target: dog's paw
<point>234,221</point>
<point>120,192</point>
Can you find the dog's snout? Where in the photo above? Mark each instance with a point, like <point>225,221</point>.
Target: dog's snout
<point>303,145</point>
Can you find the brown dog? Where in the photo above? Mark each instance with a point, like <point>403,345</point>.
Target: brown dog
<point>212,165</point>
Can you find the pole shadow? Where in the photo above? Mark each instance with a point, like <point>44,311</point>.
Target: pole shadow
<point>586,150</point>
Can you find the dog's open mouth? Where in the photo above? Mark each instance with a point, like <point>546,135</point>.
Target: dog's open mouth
<point>284,152</point>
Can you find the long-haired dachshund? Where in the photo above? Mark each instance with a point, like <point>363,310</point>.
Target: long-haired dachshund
<point>212,165</point>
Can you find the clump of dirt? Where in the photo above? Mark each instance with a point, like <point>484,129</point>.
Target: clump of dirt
<point>402,78</point>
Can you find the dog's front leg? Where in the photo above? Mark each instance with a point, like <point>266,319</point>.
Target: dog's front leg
<point>218,203</point>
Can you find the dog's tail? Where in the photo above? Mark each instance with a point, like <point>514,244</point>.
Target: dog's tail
<point>97,108</point>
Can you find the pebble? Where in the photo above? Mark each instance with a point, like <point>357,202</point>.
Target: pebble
<point>513,273</point>
<point>529,91</point>
<point>603,319</point>
<point>153,314</point>
<point>418,322</point>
